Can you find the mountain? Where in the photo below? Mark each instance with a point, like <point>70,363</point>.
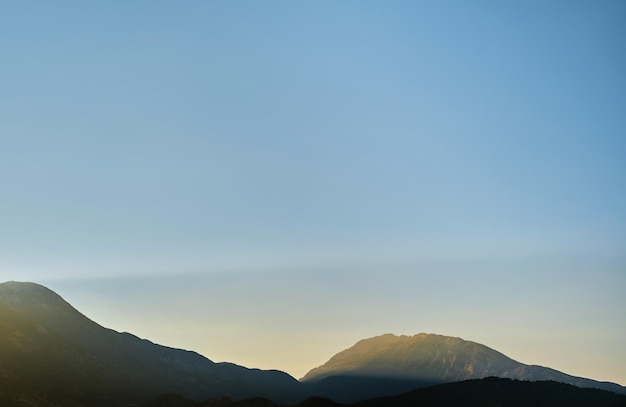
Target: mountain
<point>51,354</point>
<point>425,359</point>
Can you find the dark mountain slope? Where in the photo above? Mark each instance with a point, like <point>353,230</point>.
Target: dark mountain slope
<point>51,352</point>
<point>435,359</point>
<point>494,391</point>
<point>490,391</point>
<point>52,355</point>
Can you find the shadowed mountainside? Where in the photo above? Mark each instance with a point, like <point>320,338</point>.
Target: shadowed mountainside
<point>490,391</point>
<point>501,392</point>
<point>51,355</point>
<point>50,352</point>
<point>431,359</point>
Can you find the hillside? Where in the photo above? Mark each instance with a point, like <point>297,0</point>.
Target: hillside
<point>490,391</point>
<point>50,352</point>
<point>429,358</point>
<point>52,355</point>
<point>494,391</point>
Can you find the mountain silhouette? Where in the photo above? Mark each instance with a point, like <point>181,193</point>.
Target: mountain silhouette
<point>51,353</point>
<point>421,360</point>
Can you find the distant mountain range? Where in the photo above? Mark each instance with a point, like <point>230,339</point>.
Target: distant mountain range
<point>51,355</point>
<point>407,362</point>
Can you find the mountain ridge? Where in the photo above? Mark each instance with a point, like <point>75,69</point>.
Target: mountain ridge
<point>50,351</point>
<point>437,358</point>
<point>53,355</point>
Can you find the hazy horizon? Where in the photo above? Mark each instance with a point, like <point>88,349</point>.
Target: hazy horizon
<point>262,319</point>
<point>268,183</point>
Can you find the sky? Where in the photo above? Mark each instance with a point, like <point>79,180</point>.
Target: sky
<point>267,183</point>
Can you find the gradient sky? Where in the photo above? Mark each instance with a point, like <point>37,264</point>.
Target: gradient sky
<point>268,182</point>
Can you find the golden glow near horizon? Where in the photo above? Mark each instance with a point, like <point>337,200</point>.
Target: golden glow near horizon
<point>297,321</point>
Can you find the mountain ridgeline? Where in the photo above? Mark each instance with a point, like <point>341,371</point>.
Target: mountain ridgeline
<point>52,355</point>
<point>50,352</point>
<point>429,358</point>
<point>388,364</point>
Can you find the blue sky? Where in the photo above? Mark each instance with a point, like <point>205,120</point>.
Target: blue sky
<point>372,166</point>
